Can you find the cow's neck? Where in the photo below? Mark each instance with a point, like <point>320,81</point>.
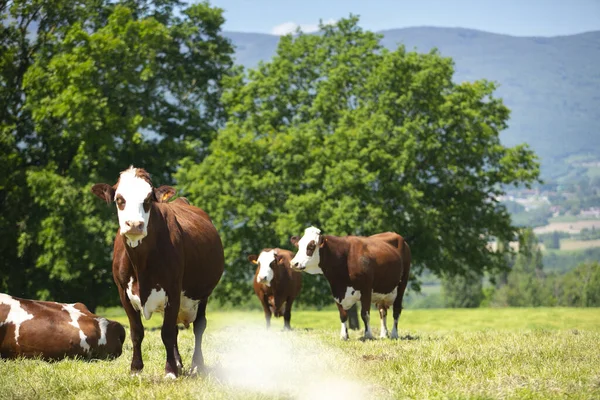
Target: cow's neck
<point>333,259</point>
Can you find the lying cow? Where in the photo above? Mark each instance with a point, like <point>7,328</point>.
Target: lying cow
<point>168,258</point>
<point>53,331</point>
<point>372,269</point>
<point>275,283</point>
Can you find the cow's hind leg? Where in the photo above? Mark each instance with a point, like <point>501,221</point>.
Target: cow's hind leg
<point>383,316</point>
<point>398,308</point>
<point>199,328</point>
<point>365,308</point>
<point>406,256</point>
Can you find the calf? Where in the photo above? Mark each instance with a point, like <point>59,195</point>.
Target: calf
<point>372,269</point>
<point>275,283</point>
<point>168,258</point>
<point>53,331</point>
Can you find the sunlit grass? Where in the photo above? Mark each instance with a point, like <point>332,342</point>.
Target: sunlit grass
<point>482,353</point>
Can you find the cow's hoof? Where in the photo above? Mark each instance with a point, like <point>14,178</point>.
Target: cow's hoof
<point>170,375</point>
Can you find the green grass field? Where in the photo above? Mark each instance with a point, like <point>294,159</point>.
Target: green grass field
<point>540,353</point>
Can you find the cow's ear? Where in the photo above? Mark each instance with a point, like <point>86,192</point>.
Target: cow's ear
<point>104,191</point>
<point>279,259</point>
<point>164,193</point>
<point>322,241</point>
<point>294,240</point>
<point>253,258</point>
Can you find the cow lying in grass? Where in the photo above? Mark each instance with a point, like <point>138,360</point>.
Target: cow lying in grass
<point>53,331</point>
<point>372,269</point>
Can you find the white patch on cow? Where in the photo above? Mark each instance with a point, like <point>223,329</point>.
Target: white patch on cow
<point>103,324</point>
<point>350,298</point>
<point>16,314</point>
<point>134,190</point>
<point>394,334</point>
<point>75,314</point>
<point>188,309</point>
<point>384,298</point>
<point>344,331</point>
<point>155,303</point>
<point>134,299</point>
<point>302,260</point>
<point>265,271</point>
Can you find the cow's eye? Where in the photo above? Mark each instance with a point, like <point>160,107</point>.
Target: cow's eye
<point>120,203</point>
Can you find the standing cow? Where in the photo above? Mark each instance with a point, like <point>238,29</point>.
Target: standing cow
<point>372,269</point>
<point>275,283</point>
<point>168,258</point>
<point>53,331</point>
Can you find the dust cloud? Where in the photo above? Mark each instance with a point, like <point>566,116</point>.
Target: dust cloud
<point>286,364</point>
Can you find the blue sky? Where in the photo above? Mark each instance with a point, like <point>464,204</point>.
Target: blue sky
<point>512,17</point>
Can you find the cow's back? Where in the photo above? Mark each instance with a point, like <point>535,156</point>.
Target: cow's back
<point>202,249</point>
<point>378,258</point>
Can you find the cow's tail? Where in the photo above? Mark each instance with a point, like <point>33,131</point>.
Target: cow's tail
<point>406,260</point>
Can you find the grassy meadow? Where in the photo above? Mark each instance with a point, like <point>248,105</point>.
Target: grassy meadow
<point>540,353</point>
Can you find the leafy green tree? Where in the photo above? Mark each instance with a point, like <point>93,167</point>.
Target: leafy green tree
<point>462,291</point>
<point>580,287</point>
<point>339,132</point>
<point>526,284</point>
<point>92,87</point>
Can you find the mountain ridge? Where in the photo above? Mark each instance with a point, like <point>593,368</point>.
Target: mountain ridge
<point>551,84</point>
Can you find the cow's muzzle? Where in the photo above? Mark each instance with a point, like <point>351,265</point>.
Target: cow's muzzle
<point>296,265</point>
<point>135,227</point>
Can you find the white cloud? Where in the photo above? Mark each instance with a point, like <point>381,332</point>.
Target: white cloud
<point>290,27</point>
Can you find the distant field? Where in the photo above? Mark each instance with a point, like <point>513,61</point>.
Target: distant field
<point>544,353</point>
<point>568,226</point>
<point>571,244</point>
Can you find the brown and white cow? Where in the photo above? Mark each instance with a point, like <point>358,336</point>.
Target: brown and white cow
<point>372,269</point>
<point>53,331</point>
<point>276,284</point>
<point>168,258</point>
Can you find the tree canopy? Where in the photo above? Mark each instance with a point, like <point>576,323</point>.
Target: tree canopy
<point>338,132</point>
<point>89,87</point>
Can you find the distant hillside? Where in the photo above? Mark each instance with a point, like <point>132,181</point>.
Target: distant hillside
<point>552,85</point>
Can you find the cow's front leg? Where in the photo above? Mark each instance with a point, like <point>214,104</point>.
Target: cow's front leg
<point>177,355</point>
<point>287,314</point>
<point>199,328</point>
<point>267,309</point>
<point>365,307</point>
<point>344,321</point>
<point>168,334</point>
<point>136,331</point>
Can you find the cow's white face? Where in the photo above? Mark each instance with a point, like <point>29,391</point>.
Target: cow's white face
<point>307,258</point>
<point>133,197</point>
<point>265,262</point>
